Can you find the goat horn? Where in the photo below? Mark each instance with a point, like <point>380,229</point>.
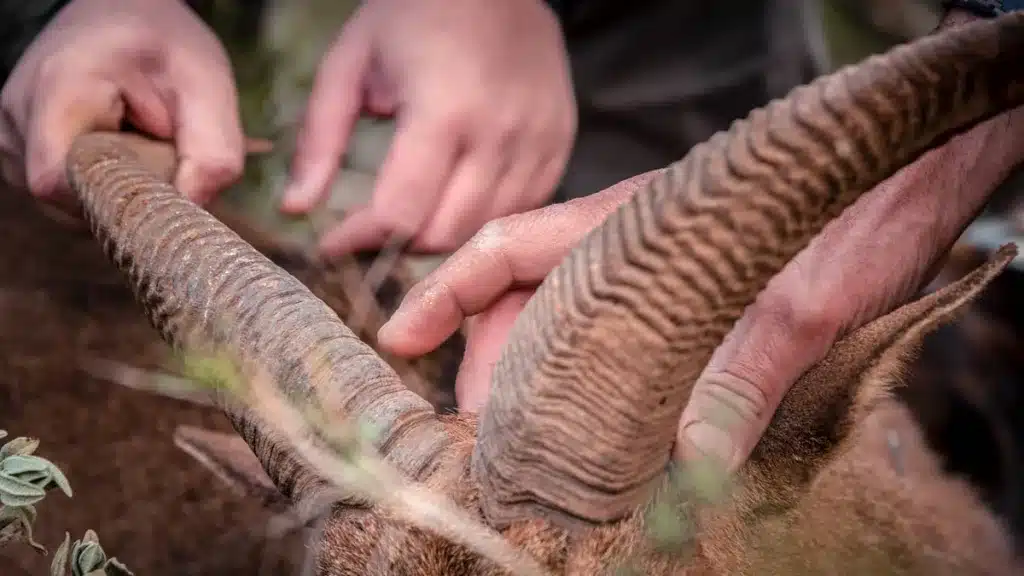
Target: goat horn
<point>204,287</point>
<point>587,395</point>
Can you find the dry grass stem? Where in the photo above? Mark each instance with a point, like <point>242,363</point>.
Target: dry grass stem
<point>352,464</point>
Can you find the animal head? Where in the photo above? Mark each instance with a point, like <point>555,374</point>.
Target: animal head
<point>569,463</point>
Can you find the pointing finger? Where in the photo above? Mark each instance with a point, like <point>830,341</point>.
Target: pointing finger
<point>334,104</point>
<point>516,250</point>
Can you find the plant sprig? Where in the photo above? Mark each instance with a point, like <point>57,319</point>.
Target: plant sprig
<point>343,454</point>
<point>85,557</point>
<point>25,480</point>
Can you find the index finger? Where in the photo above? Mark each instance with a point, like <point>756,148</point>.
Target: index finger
<point>518,250</point>
<point>408,188</point>
<point>327,123</point>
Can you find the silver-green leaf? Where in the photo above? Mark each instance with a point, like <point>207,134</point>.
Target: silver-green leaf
<point>86,558</point>
<point>18,471</point>
<point>17,492</point>
<point>16,526</point>
<point>59,565</point>
<point>22,446</point>
<point>116,568</point>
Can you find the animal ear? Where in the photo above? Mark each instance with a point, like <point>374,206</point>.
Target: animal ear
<point>899,335</point>
<point>819,411</point>
<point>231,460</point>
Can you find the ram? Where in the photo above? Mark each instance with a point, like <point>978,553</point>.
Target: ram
<point>574,445</point>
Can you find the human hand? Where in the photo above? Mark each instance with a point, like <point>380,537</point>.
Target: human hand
<point>99,63</point>
<point>485,113</point>
<point>870,260</point>
<point>488,282</point>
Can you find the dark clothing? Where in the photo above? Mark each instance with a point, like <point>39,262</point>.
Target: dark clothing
<point>652,78</point>
<point>20,22</point>
<point>986,8</point>
<point>655,78</point>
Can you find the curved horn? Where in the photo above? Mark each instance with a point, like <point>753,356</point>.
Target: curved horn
<point>192,274</point>
<point>588,393</point>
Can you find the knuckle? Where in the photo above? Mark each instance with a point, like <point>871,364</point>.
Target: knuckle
<point>489,123</point>
<point>423,288</point>
<point>437,242</point>
<point>50,72</point>
<point>443,235</point>
<point>731,400</point>
<point>798,321</point>
<point>221,168</point>
<point>506,127</point>
<point>490,238</point>
<point>403,220</point>
<point>453,120</point>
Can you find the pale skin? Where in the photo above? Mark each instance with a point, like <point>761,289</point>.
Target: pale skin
<point>864,264</point>
<point>485,126</point>
<point>100,62</point>
<point>485,121</point>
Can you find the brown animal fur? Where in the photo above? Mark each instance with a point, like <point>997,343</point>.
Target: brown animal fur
<point>842,483</point>
<point>970,408</point>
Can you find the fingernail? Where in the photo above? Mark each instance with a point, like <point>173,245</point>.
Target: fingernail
<point>386,332</point>
<point>186,182</point>
<point>391,330</point>
<point>291,200</point>
<point>711,441</point>
<point>298,191</point>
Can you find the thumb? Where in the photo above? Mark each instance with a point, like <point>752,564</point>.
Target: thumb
<point>736,396</point>
<point>487,333</point>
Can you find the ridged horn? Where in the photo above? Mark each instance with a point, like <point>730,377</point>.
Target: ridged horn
<point>204,288</point>
<point>587,395</point>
